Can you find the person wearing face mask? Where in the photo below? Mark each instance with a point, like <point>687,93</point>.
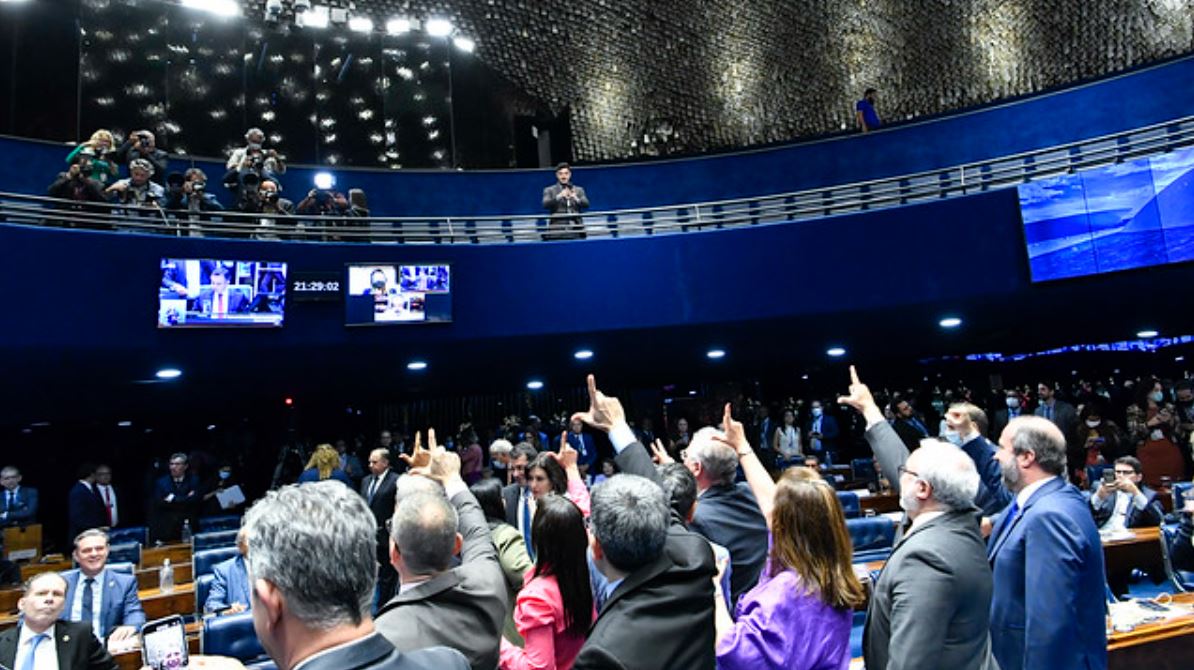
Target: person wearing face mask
<point>1098,441</point>
<point>1013,406</point>
<point>962,429</point>
<point>222,480</point>
<point>1185,418</point>
<point>1150,418</point>
<point>822,433</point>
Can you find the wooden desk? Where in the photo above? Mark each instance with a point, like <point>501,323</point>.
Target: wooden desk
<point>153,557</point>
<point>131,660</point>
<point>30,569</point>
<point>882,503</point>
<point>1142,551</point>
<point>8,600</point>
<point>149,578</point>
<point>1156,646</point>
<point>23,543</point>
<point>157,604</point>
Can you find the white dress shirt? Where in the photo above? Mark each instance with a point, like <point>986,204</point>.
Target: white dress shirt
<point>46,657</point>
<point>108,495</point>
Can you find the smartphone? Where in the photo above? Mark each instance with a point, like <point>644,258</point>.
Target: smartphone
<point>164,644</point>
<point>1109,477</point>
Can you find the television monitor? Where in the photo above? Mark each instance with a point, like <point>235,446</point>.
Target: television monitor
<point>211,293</point>
<point>397,293</point>
<point>1129,215</point>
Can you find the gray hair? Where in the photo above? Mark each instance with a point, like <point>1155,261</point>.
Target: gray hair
<point>950,473</point>
<point>91,532</point>
<point>424,530</point>
<point>179,455</point>
<point>630,518</point>
<point>500,447</point>
<point>409,485</point>
<point>382,453</point>
<point>1041,437</point>
<point>317,543</point>
<point>719,460</point>
<point>10,470</point>
<point>141,164</point>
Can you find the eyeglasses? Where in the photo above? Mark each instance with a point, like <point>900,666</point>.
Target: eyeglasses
<point>903,470</point>
<point>1125,473</point>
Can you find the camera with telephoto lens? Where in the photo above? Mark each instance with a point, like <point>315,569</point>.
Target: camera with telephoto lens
<point>198,186</point>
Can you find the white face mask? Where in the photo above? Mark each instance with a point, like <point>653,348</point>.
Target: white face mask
<point>1013,403</point>
<point>817,411</point>
<point>1093,424</point>
<point>953,437</point>
<point>1157,396</point>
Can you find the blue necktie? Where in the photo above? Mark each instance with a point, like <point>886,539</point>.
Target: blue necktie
<point>33,642</point>
<point>85,611</point>
<point>526,525</point>
<point>1013,511</point>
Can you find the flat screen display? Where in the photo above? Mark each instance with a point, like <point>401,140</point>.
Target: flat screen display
<point>212,293</point>
<point>1131,215</point>
<point>396,293</point>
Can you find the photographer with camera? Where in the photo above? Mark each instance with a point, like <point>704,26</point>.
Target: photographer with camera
<point>267,199</point>
<point>323,201</point>
<point>565,200</point>
<point>99,157</point>
<point>137,189</point>
<point>141,145</point>
<point>76,186</point>
<point>267,163</point>
<point>188,192</point>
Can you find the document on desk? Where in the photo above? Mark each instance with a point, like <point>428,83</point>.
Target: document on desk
<point>230,497</point>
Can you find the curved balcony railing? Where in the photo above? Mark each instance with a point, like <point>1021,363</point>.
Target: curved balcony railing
<point>895,191</point>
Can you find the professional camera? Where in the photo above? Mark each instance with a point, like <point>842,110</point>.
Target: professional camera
<point>198,186</point>
<point>175,181</point>
<point>268,196</point>
<point>143,138</point>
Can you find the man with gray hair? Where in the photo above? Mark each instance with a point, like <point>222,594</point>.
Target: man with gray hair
<point>657,609</point>
<point>41,640</point>
<point>930,607</point>
<point>462,607</point>
<point>311,561</point>
<point>727,513</point>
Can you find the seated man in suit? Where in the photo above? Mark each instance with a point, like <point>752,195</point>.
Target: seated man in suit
<point>461,607</point>
<point>1126,503</point>
<point>18,506</point>
<point>105,599</point>
<point>230,591</point>
<point>315,614</point>
<point>220,300</point>
<point>41,641</point>
<point>657,609</point>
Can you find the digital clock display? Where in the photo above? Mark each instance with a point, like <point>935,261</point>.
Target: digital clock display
<point>316,286</point>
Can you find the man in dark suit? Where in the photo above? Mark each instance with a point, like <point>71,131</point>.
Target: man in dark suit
<point>727,513</point>
<point>930,606</point>
<point>462,607</point>
<point>1063,563</point>
<point>176,499</point>
<point>565,201</point>
<point>516,494</point>
<point>822,434</point>
<point>85,509</point>
<point>657,611</point>
<point>586,450</point>
<point>315,613</point>
<point>1060,412</point>
<point>220,299</point>
<point>18,504</point>
<point>73,645</point>
<point>963,423</point>
<point>907,425</point>
<point>1012,408</point>
<point>104,599</point>
<point>378,490</point>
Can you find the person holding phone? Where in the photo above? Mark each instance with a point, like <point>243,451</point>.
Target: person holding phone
<point>1120,502</point>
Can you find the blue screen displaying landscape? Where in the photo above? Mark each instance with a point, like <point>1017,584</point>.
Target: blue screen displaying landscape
<point>1119,217</point>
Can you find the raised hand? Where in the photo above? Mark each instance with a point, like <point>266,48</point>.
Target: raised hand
<point>420,458</point>
<point>735,434</point>
<point>659,453</point>
<point>604,413</point>
<point>567,455</point>
<point>860,395</point>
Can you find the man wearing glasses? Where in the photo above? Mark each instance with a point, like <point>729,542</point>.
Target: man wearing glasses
<point>1122,503</point>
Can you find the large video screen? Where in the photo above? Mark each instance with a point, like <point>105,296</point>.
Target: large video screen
<point>210,293</point>
<point>1119,217</point>
<point>380,293</point>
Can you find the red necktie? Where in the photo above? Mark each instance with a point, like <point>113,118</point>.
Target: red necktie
<point>107,505</point>
<point>219,304</point>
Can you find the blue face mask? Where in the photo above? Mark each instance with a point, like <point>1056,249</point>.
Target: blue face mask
<point>817,411</point>
<point>224,474</point>
<point>953,437</point>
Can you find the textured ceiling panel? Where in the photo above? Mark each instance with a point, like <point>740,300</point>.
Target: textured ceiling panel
<point>661,76</point>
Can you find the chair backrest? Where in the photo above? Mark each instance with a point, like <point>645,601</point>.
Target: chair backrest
<point>1180,492</point>
<point>1160,459</point>
<point>871,533</point>
<point>203,561</point>
<point>213,540</point>
<point>231,635</point>
<point>1179,580</point>
<point>225,522</point>
<point>202,589</point>
<point>128,552</point>
<point>130,534</point>
<point>863,469</point>
<point>850,505</point>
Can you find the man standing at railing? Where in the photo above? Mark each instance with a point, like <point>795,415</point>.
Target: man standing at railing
<point>864,110</point>
<point>565,201</point>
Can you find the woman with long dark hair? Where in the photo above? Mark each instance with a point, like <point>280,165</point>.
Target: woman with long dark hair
<point>558,473</point>
<point>555,607</point>
<point>512,550</point>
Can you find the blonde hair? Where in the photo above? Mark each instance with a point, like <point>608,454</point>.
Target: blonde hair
<point>325,458</point>
<point>101,136</point>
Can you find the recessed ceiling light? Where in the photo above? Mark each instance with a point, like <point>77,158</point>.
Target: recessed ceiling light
<point>1146,333</point>
<point>1179,359</point>
<point>124,424</point>
<point>583,355</point>
<point>534,385</point>
<point>692,393</point>
<point>439,27</point>
<point>716,353</point>
<point>416,365</point>
<point>360,24</point>
<point>398,26</point>
<point>950,322</point>
<point>836,351</point>
<point>169,373</point>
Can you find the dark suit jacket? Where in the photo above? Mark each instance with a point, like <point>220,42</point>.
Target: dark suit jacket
<point>382,507</point>
<point>85,510</point>
<point>729,515</point>
<point>1064,416</point>
<point>1048,606</point>
<point>931,606</point>
<point>908,433</point>
<point>510,493</point>
<point>555,206</point>
<point>999,422</point>
<point>1137,518</point>
<point>374,652</point>
<point>119,606</point>
<point>993,496</point>
<point>168,516</point>
<point>463,608</point>
<point>237,302</point>
<point>661,615</point>
<point>829,434</point>
<point>77,648</point>
<point>23,510</point>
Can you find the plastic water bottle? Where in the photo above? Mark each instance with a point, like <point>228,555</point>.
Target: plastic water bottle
<point>186,531</point>
<point>166,577</point>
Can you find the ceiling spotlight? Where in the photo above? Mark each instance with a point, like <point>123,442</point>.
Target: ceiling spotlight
<point>416,365</point>
<point>124,424</point>
<point>360,24</point>
<point>950,322</point>
<point>583,355</point>
<point>217,7</point>
<point>1146,333</point>
<point>399,26</point>
<point>534,385</point>
<point>715,354</point>
<point>465,44</point>
<point>439,27</point>
<point>169,373</point>
<point>836,352</point>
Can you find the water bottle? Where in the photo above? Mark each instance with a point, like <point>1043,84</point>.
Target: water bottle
<point>186,531</point>
<point>166,577</point>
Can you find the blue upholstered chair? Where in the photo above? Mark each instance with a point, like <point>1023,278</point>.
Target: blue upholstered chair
<point>1181,580</point>
<point>872,537</point>
<point>202,589</point>
<point>850,505</point>
<point>128,552</point>
<point>131,534</point>
<point>231,635</point>
<point>225,522</point>
<point>863,469</point>
<point>213,540</point>
<point>203,561</point>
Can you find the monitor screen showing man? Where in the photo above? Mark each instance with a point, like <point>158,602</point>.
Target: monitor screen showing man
<point>218,293</point>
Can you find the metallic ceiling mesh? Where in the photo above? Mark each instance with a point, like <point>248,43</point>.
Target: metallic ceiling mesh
<point>661,76</point>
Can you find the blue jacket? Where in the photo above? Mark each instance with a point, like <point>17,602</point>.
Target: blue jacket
<point>85,510</point>
<point>312,475</point>
<point>586,450</point>
<point>23,510</point>
<point>119,605</point>
<point>1047,611</point>
<point>993,496</point>
<point>230,584</point>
